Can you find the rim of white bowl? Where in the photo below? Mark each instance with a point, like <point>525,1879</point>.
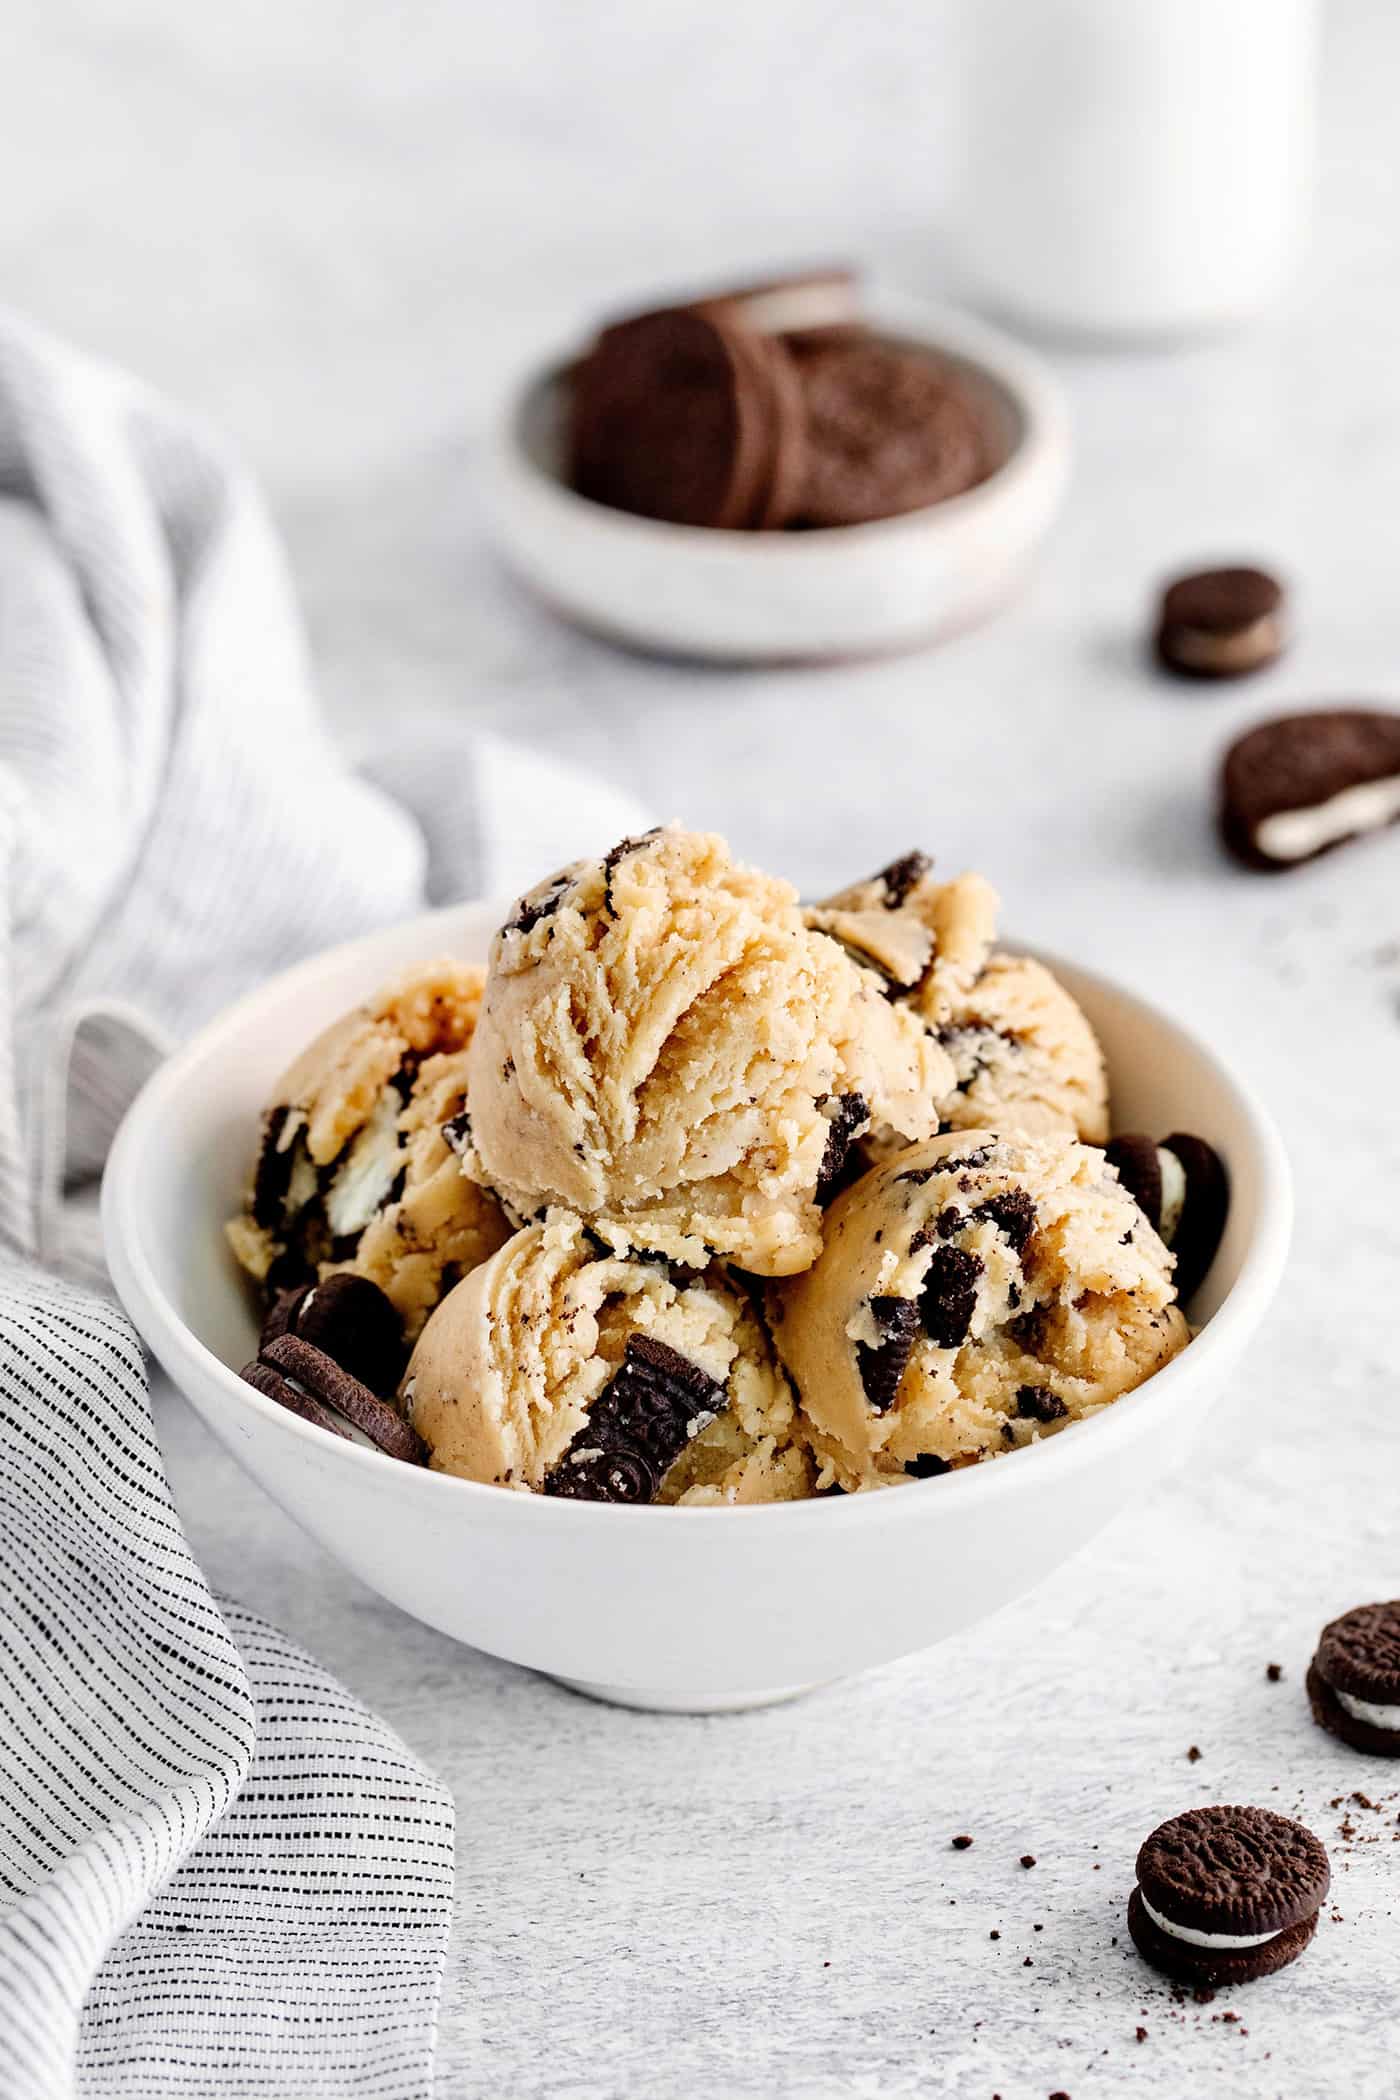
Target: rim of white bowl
<point>1019,373</point>
<point>1235,1318</point>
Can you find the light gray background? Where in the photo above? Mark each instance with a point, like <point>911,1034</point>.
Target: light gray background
<point>340,231</point>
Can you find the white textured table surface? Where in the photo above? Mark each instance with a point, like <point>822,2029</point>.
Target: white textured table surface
<point>339,231</point>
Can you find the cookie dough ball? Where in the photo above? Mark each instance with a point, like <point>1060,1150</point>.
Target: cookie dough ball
<point>567,1368</point>
<point>928,939</point>
<point>1026,1058</point>
<point>665,1044</point>
<point>975,1294</point>
<point>359,1167</point>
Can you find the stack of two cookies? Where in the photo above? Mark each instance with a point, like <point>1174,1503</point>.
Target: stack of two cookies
<point>768,408</point>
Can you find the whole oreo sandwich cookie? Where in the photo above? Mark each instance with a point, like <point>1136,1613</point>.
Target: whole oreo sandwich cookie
<point>1302,784</point>
<point>1221,623</point>
<point>1354,1679</point>
<point>1225,1895</point>
<point>682,416</point>
<point>888,430</point>
<point>1180,1185</point>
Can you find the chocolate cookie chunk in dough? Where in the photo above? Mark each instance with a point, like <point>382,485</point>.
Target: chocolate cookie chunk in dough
<point>889,430</point>
<point>1180,1185</point>
<point>1354,1679</point>
<point>1225,1895</point>
<point>1221,623</point>
<point>568,1368</point>
<point>680,415</point>
<point>974,1294</point>
<point>1302,784</point>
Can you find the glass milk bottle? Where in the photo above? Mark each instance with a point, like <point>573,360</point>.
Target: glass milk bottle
<point>1135,167</point>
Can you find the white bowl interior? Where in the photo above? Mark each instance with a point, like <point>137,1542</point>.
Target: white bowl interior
<point>818,1588</point>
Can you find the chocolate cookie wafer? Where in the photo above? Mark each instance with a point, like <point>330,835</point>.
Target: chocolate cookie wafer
<point>309,1372</point>
<point>1180,1185</point>
<point>888,430</point>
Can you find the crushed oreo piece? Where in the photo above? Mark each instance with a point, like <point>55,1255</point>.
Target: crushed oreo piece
<point>950,1296</point>
<point>363,1178</point>
<point>901,876</point>
<point>848,1116</point>
<point>882,1365</point>
<point>1036,1403</point>
<point>927,1466</point>
<point>949,1223</point>
<point>619,853</point>
<point>406,1078</point>
<point>655,1402</point>
<point>540,903</point>
<point>284,1180</point>
<point>1013,1214</point>
<point>457,1132</point>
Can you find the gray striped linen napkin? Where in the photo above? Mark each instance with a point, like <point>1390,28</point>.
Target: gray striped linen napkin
<point>219,1874</point>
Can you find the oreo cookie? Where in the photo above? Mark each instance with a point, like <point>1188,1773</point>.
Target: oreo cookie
<point>847,1116</point>
<point>1180,1185</point>
<point>888,430</point>
<point>1354,1679</point>
<point>349,1318</point>
<point>292,1372</point>
<point>681,416</point>
<point>1302,785</point>
<point>1225,1895</point>
<point>654,1404</point>
<point>1221,623</point>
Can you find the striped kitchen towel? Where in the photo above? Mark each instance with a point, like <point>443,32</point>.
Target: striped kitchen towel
<point>219,1875</point>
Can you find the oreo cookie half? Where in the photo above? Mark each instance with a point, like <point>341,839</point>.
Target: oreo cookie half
<point>1354,1679</point>
<point>1180,1185</point>
<point>1221,623</point>
<point>292,1372</point>
<point>348,1317</point>
<point>889,430</point>
<point>1225,1895</point>
<point>1302,785</point>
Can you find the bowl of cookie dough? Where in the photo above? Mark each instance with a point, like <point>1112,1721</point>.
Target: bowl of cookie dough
<point>720,1598</point>
<point>878,582</point>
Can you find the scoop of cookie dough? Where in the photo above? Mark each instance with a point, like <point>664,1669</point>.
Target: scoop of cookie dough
<point>359,1166</point>
<point>927,938</point>
<point>975,1293</point>
<point>566,1368</point>
<point>1025,1057</point>
<point>665,1044</point>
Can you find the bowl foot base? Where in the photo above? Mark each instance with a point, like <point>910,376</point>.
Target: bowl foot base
<point>683,1702</point>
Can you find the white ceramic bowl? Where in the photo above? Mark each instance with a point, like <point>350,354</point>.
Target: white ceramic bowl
<point>754,597</point>
<point>696,1609</point>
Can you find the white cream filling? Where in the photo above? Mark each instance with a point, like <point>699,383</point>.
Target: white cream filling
<point>1173,1193</point>
<point>1225,1941</point>
<point>1204,649</point>
<point>1368,1711</point>
<point>1292,834</point>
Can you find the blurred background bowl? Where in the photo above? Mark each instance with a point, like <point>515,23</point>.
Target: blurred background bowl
<point>841,591</point>
<point>686,1609</point>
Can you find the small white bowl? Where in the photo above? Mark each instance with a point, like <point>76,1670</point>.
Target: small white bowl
<point>766,597</point>
<point>687,1609</point>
